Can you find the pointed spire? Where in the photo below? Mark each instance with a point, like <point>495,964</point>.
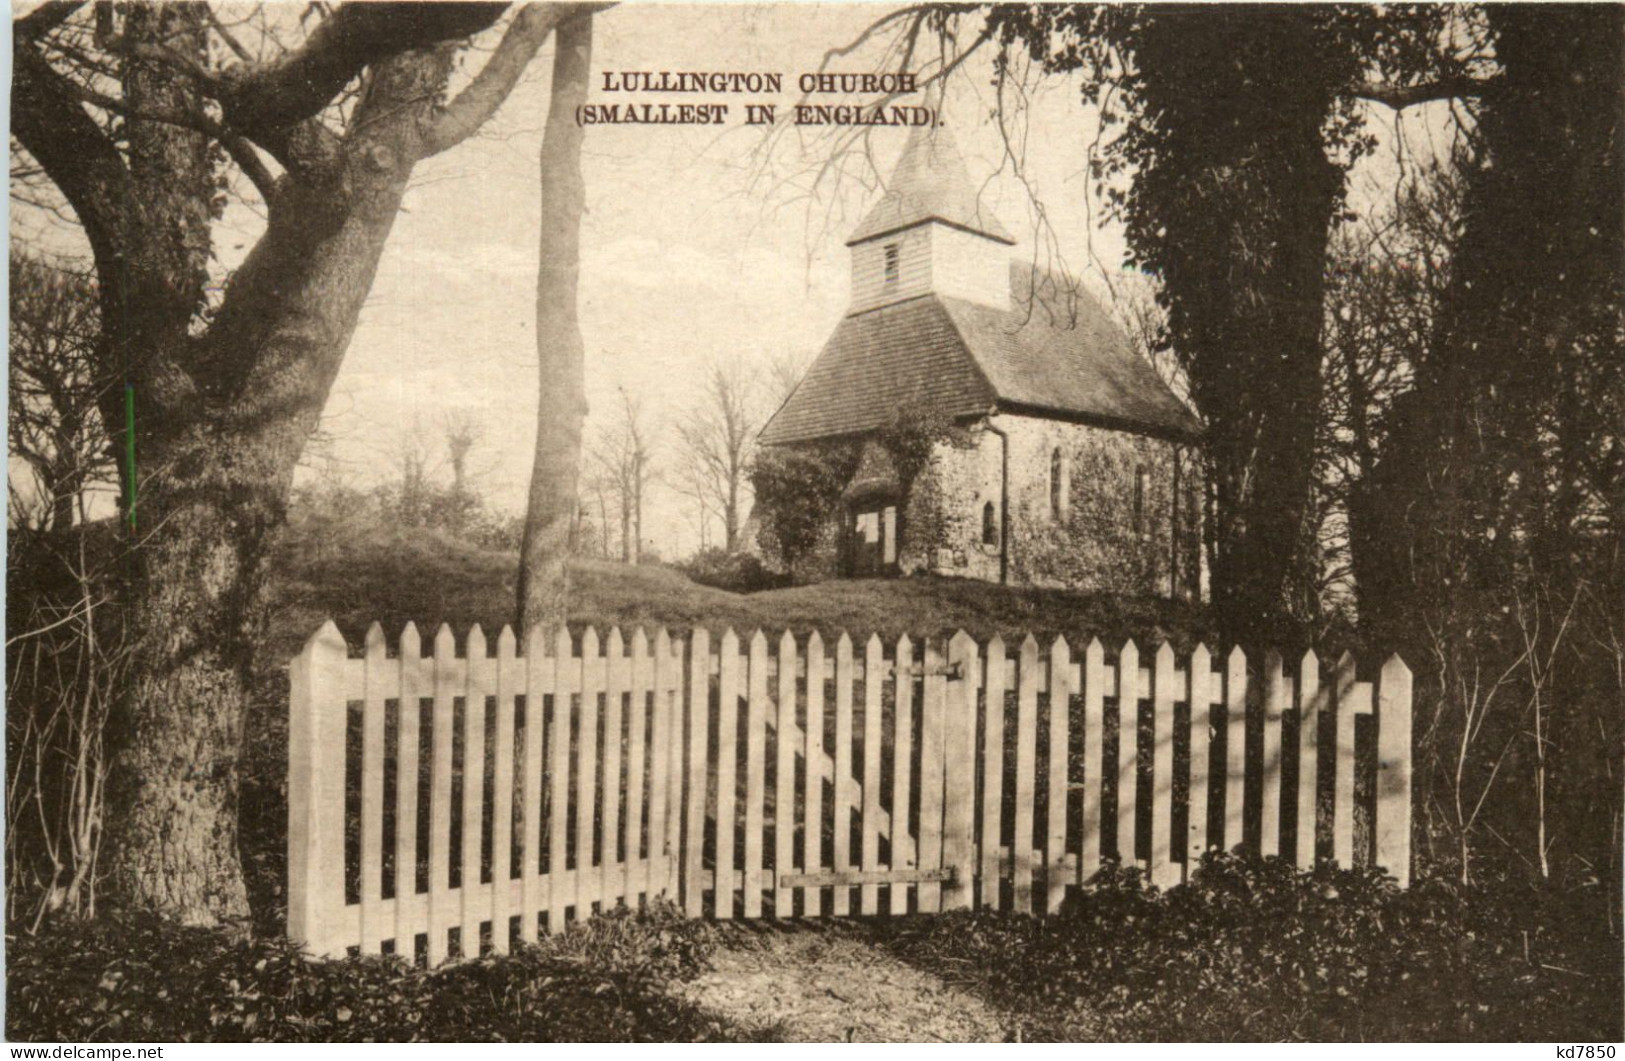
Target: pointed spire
<point>929,183</point>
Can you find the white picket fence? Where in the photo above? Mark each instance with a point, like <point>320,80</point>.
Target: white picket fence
<point>896,781</point>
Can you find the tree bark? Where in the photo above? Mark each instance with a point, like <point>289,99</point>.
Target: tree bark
<point>212,494</point>
<point>561,405</point>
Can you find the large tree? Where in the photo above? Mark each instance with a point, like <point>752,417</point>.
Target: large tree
<point>138,114</point>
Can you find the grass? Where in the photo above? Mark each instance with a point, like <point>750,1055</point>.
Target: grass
<point>429,578</point>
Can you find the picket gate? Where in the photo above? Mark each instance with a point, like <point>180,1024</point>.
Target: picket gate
<point>450,804</point>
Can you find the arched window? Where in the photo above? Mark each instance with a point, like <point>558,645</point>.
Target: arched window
<point>1142,484</point>
<point>990,524</point>
<point>1059,487</point>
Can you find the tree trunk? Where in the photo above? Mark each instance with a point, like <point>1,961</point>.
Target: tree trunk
<point>214,483</point>
<point>544,590</point>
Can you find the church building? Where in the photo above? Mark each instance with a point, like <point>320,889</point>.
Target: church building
<point>1072,463</point>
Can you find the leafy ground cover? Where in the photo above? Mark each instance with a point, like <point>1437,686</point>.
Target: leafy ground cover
<point>1254,951</point>
<point>120,979</point>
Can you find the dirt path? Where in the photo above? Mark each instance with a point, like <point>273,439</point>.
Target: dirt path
<point>826,984</point>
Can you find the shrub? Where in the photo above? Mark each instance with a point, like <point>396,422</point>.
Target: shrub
<point>1254,950</point>
<point>735,572</point>
<point>125,978</point>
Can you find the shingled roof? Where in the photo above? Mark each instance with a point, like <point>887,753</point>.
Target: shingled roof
<point>930,183</point>
<point>964,359</point>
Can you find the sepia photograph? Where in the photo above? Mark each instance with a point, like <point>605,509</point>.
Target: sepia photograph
<point>814,522</point>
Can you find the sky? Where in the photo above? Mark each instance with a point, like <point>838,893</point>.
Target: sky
<point>698,243</point>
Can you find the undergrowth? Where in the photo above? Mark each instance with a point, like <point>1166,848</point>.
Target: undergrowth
<point>1252,950</point>
<point>139,978</point>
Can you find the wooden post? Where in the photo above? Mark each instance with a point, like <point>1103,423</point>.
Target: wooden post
<point>1394,770</point>
<point>316,725</point>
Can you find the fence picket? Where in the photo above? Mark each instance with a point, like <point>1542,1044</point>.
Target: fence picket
<point>959,773</point>
<point>1128,751</point>
<point>1060,715</point>
<point>874,663</point>
<point>902,843</point>
<point>933,752</point>
<point>376,683</point>
<point>637,721</point>
<point>316,723</point>
<point>661,741</point>
<point>617,678</point>
<point>727,772</point>
<point>696,774</point>
<point>841,809</point>
<point>587,877</point>
<point>1275,702</point>
<point>567,679</point>
<point>478,685</point>
<point>409,720</point>
<point>1309,695</point>
<point>992,771</point>
<point>1164,872</point>
<point>1393,816</point>
<point>1201,703</point>
<point>812,819</point>
<point>1235,748</point>
<point>756,708</point>
<point>784,779</point>
<point>533,887</point>
<point>1094,757</point>
<point>507,684</point>
<point>447,686</point>
<point>1346,700</point>
<point>1021,843</point>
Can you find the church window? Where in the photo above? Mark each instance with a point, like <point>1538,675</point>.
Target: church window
<point>1060,485</point>
<point>892,258</point>
<point>1142,484</point>
<point>990,524</point>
